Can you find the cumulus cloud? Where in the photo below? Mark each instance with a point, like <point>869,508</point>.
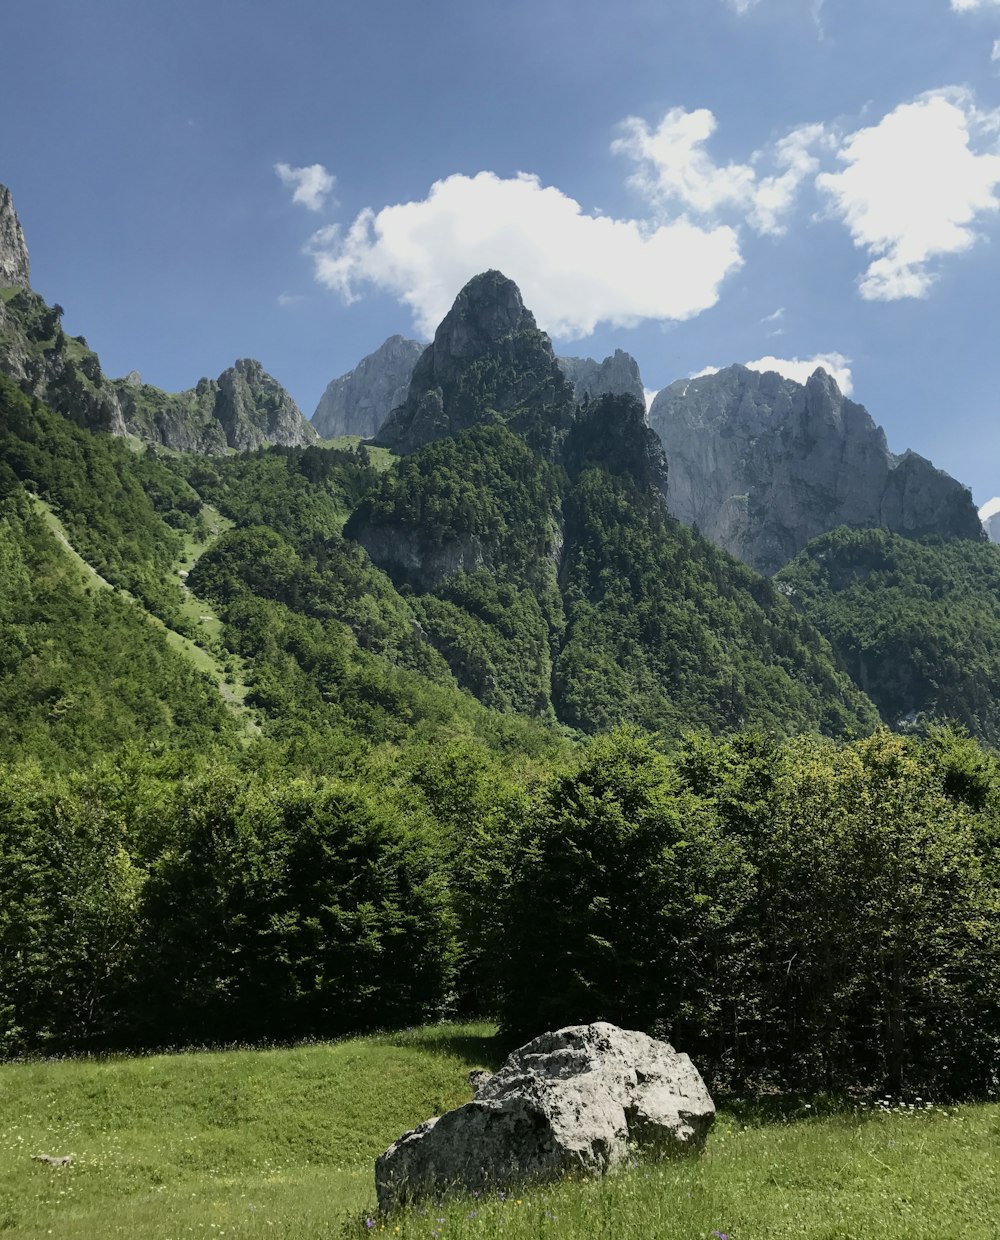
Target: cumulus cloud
<point>989,509</point>
<point>967,6</point>
<point>912,188</point>
<point>650,394</point>
<point>674,169</point>
<point>311,185</point>
<point>575,270</point>
<point>995,54</point>
<point>799,369</point>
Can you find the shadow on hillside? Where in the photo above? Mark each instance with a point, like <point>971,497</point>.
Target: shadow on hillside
<point>486,1050</point>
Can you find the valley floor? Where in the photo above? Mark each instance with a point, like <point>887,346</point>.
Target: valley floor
<point>281,1143</point>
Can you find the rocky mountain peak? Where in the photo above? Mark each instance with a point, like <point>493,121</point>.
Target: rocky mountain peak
<point>762,464</point>
<point>358,402</point>
<point>617,375</point>
<point>488,309</point>
<point>14,266</point>
<point>254,409</point>
<point>488,362</point>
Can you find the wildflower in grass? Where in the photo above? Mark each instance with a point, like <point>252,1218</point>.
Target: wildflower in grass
<point>369,1223</point>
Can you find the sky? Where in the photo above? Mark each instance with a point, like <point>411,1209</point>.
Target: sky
<point>782,183</point>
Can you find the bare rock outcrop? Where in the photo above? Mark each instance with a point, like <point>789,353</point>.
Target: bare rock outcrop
<point>360,401</point>
<point>762,465</point>
<point>15,270</point>
<point>577,1100</point>
<point>617,375</point>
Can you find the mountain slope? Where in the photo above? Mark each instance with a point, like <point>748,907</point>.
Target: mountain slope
<point>916,623</point>
<point>82,670</point>
<point>569,592</point>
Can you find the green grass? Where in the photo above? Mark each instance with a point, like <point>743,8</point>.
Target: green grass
<point>230,685</point>
<point>280,1143</point>
<point>381,458</point>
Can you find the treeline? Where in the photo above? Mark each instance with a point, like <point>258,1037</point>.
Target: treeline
<point>800,914</point>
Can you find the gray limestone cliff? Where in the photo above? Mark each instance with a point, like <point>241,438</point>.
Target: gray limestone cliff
<point>761,465</point>
<point>617,375</point>
<point>244,409</point>
<point>488,362</point>
<point>15,269</point>
<point>360,401</point>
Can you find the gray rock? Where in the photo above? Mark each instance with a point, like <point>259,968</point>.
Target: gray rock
<point>762,464</point>
<point>617,375</point>
<point>254,409</point>
<point>245,408</point>
<point>360,401</point>
<point>14,266</point>
<point>577,1100</point>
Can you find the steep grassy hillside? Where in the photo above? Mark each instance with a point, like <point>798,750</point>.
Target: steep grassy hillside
<point>84,670</point>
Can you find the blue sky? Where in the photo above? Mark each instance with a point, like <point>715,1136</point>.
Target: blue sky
<point>696,181</point>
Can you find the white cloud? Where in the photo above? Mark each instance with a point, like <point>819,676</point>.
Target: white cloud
<point>289,299</point>
<point>311,184</point>
<point>912,188</point>
<point>967,6</point>
<point>650,395</point>
<point>799,369</point>
<point>674,168</point>
<point>575,270</point>
<point>989,509</point>
<point>995,54</point>
<point>775,316</point>
<point>774,196</point>
<point>742,6</point>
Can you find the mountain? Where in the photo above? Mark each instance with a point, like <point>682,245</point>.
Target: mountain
<point>762,464</point>
<point>15,270</point>
<point>617,375</point>
<point>360,401</point>
<point>916,622</point>
<point>488,363</point>
<point>989,514</point>
<point>538,555</point>
<point>245,408</point>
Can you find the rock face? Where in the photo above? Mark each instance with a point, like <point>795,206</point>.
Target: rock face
<point>577,1100</point>
<point>14,266</point>
<point>245,408</point>
<point>360,401</point>
<point>488,363</point>
<point>254,409</point>
<point>762,464</point>
<point>617,375</point>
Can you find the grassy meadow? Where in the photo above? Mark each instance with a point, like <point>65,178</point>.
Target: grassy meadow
<point>280,1143</point>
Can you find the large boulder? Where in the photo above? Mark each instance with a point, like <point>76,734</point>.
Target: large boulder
<point>577,1100</point>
